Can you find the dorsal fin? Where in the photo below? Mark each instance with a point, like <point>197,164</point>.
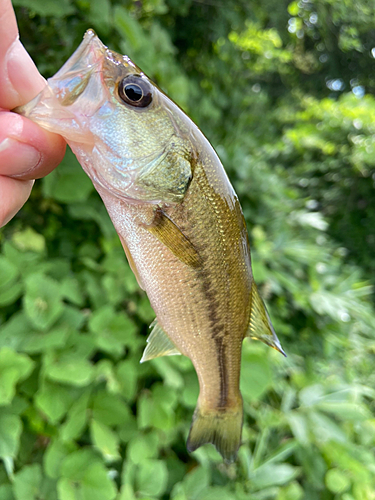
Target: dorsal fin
<point>158,344</point>
<point>166,231</point>
<point>260,326</point>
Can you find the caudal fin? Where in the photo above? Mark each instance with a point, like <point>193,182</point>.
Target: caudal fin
<point>222,428</point>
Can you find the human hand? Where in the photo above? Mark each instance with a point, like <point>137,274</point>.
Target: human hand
<point>27,152</point>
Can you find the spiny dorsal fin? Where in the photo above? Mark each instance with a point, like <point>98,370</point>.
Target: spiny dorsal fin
<point>172,237</point>
<point>158,344</point>
<point>260,326</point>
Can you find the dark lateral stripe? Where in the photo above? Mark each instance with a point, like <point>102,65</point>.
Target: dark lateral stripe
<point>217,335</point>
<point>223,372</point>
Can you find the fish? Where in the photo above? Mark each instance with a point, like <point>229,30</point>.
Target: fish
<point>178,218</point>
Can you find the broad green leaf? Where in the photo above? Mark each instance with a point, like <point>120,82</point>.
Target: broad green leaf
<point>14,332</point>
<point>109,409</point>
<point>337,481</point>
<point>27,483</point>
<point>105,440</point>
<point>54,456</point>
<point>157,409</point>
<point>151,477</point>
<point>196,482</point>
<point>113,332</point>
<point>8,273</point>
<point>68,369</point>
<point>10,294</point>
<point>42,301</point>
<point>68,183</point>
<point>76,420</point>
<point>35,342</point>
<point>256,376</point>
<point>70,290</point>
<point>84,477</point>
<point>10,287</point>
<point>273,474</point>
<point>127,376</point>
<point>142,447</point>
<point>29,240</point>
<point>217,493</point>
<point>13,368</point>
<point>6,492</point>
<point>54,400</point>
<point>10,433</point>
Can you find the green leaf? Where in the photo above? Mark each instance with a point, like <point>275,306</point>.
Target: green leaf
<point>113,332</point>
<point>109,409</point>
<point>337,481</point>
<point>47,7</point>
<point>10,432</point>
<point>76,421</point>
<point>13,368</point>
<point>54,400</point>
<point>8,273</point>
<point>68,369</point>
<point>196,482</point>
<point>84,477</point>
<point>217,493</point>
<point>105,440</point>
<point>53,458</point>
<point>42,301</point>
<point>6,492</point>
<point>70,290</point>
<point>11,294</point>
<point>100,14</point>
<point>273,474</point>
<point>157,409</point>
<point>151,477</point>
<point>27,483</point>
<point>68,183</point>
<point>142,447</point>
<point>127,375</point>
<point>29,239</point>
<point>256,376</point>
<point>14,332</point>
<point>10,288</point>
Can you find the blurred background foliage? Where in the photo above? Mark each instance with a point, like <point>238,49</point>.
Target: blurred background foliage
<point>285,93</point>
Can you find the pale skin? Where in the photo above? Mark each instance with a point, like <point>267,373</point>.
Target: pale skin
<point>27,152</point>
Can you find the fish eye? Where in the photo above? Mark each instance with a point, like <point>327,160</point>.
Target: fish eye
<point>135,91</point>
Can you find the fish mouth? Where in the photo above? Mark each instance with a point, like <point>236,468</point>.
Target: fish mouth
<point>73,94</point>
<point>86,57</point>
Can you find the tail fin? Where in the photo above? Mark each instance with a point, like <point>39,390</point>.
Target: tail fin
<point>222,428</point>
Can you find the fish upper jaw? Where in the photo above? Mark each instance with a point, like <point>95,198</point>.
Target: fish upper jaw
<point>74,94</point>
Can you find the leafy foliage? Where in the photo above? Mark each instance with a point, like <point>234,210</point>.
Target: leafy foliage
<point>279,90</point>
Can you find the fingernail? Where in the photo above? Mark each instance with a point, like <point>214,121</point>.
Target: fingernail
<point>17,158</point>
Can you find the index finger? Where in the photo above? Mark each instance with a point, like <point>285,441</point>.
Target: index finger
<point>20,79</point>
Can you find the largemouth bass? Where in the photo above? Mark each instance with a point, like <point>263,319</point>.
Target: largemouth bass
<point>178,218</point>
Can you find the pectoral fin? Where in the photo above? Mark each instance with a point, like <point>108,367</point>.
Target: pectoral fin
<point>158,344</point>
<point>260,326</point>
<point>166,231</point>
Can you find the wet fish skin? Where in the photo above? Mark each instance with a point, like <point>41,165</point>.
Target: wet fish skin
<point>178,218</point>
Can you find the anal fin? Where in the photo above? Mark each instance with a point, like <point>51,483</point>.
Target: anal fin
<point>260,326</point>
<point>158,344</point>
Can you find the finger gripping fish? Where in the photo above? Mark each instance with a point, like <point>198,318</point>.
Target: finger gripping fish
<point>178,218</point>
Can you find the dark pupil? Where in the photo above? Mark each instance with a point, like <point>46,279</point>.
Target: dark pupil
<point>133,92</point>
